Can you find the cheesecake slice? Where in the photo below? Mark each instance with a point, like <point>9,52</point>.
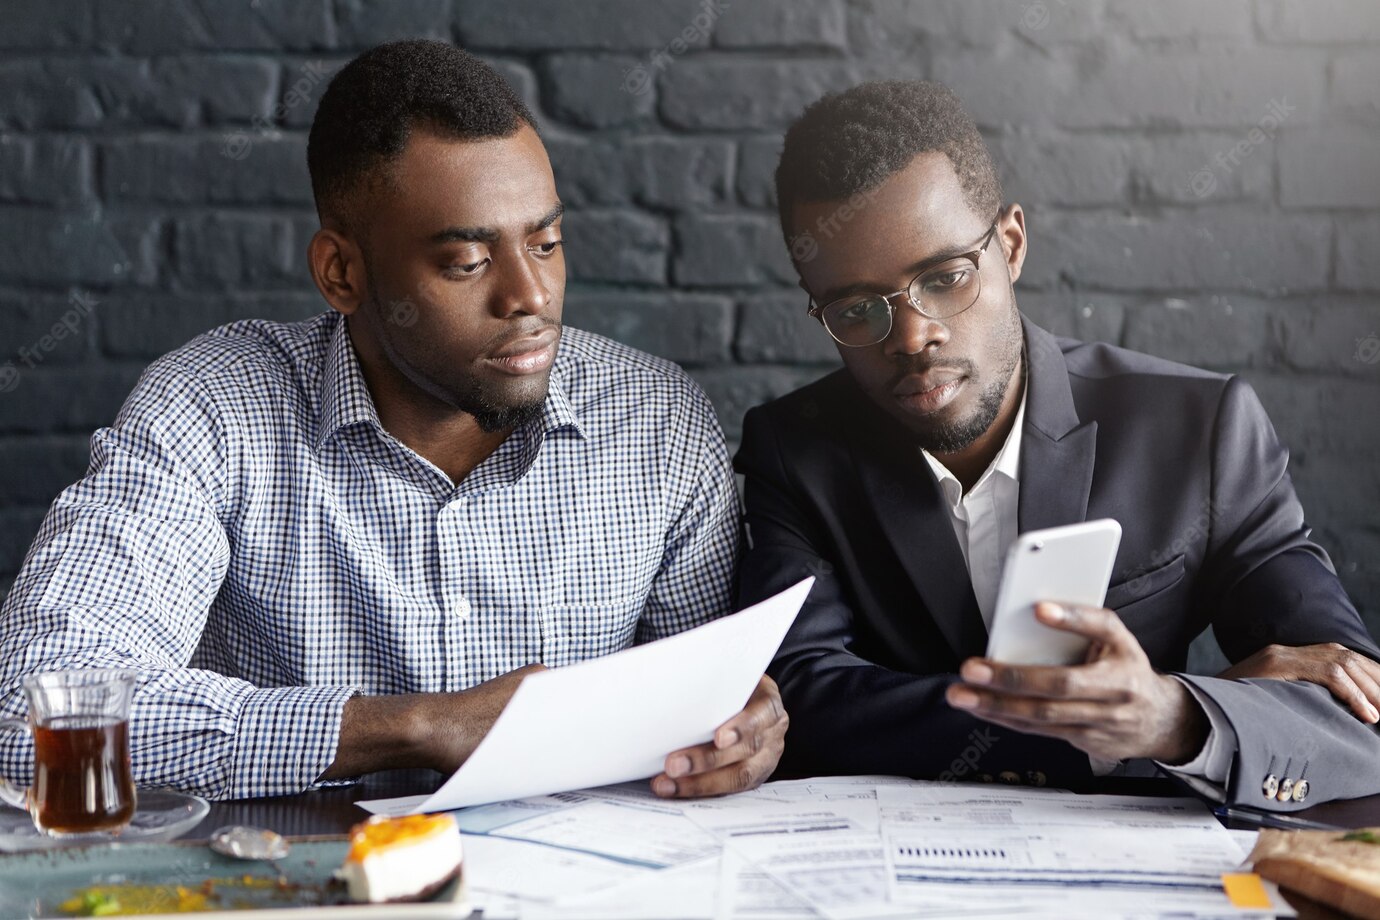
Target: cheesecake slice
<point>401,859</point>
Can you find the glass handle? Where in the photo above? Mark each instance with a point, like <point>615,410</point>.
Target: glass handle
<point>10,794</point>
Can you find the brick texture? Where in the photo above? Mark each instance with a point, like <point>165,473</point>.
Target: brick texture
<point>1199,179</point>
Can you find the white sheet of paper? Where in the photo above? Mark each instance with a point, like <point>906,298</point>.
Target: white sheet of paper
<point>841,876</point>
<point>501,869</point>
<point>642,835</point>
<point>686,892</point>
<point>613,719</point>
<point>748,893</point>
<point>952,847</point>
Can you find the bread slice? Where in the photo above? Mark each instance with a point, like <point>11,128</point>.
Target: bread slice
<point>1338,868</point>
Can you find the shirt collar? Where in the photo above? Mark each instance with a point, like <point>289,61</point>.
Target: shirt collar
<point>1007,462</point>
<point>345,398</point>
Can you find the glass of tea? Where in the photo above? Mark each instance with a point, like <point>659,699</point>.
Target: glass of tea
<point>79,721</point>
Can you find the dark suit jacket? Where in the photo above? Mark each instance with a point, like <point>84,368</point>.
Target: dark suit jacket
<point>1213,535</point>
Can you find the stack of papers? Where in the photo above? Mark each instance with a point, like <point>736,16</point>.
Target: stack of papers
<point>834,848</point>
<point>847,848</point>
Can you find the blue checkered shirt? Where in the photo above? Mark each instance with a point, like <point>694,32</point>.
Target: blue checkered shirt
<point>251,539</point>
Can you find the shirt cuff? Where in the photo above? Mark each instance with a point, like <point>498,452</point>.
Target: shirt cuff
<point>1102,767</point>
<point>1207,773</point>
<point>286,737</point>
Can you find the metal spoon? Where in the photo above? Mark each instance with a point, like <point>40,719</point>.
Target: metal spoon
<point>243,842</point>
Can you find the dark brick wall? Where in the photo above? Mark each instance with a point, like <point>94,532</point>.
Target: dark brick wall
<point>1200,180</point>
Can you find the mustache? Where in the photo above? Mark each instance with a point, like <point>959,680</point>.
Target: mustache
<point>906,365</point>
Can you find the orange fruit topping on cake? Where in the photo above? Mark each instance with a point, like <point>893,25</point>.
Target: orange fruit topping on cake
<point>401,859</point>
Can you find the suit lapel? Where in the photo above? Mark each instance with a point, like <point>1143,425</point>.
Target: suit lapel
<point>1056,470</point>
<point>1057,452</point>
<point>908,505</point>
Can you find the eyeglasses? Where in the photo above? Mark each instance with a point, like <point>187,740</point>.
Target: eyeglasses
<point>939,291</point>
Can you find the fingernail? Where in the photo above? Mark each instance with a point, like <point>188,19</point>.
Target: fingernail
<point>1055,612</point>
<point>977,673</point>
<point>727,739</point>
<point>679,766</point>
<point>663,786</point>
<point>1374,715</point>
<point>963,699</point>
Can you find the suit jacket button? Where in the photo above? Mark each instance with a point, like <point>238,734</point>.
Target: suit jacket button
<point>1270,786</point>
<point>1300,790</point>
<point>985,777</point>
<point>1035,778</point>
<point>1286,789</point>
<point>1011,778</point>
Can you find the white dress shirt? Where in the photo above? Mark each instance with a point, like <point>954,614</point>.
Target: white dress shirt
<point>985,522</point>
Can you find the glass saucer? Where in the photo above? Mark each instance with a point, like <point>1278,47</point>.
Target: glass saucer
<point>162,815</point>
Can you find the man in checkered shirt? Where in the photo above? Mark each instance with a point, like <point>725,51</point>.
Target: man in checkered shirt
<point>336,547</point>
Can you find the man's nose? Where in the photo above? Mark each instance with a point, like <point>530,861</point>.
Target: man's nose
<point>522,290</point>
<point>912,331</point>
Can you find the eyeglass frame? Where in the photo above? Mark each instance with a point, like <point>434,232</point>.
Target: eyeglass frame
<point>973,256</point>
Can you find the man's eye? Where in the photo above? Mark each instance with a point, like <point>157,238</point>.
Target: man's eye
<point>471,268</point>
<point>944,281</point>
<point>547,248</point>
<point>863,309</point>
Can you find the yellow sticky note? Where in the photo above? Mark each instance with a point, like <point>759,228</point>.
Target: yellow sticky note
<point>1245,889</point>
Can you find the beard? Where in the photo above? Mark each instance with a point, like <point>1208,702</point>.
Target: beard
<point>490,412</point>
<point>436,374</point>
<point>954,436</point>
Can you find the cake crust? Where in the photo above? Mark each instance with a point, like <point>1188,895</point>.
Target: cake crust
<point>1337,868</point>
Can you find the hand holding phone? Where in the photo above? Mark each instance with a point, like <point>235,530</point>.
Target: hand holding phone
<point>1070,565</point>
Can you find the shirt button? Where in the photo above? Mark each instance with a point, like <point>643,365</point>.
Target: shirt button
<point>461,608</point>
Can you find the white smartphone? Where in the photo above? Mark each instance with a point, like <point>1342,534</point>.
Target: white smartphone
<point>1070,564</point>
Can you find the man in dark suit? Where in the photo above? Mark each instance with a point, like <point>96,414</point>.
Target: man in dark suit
<point>899,482</point>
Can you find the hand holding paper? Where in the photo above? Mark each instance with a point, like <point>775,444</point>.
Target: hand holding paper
<point>744,752</point>
<point>614,719</point>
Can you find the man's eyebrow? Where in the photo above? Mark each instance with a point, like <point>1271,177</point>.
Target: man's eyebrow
<point>489,234</point>
<point>548,219</point>
<point>911,271</point>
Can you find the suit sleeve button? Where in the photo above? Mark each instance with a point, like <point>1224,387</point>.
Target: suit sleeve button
<point>1270,787</point>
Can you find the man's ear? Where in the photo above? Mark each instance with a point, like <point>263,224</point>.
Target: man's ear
<point>1011,233</point>
<point>337,268</point>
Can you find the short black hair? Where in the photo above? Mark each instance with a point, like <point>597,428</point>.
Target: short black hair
<point>852,142</point>
<point>373,104</point>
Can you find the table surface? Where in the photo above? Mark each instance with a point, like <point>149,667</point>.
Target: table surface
<point>333,811</point>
